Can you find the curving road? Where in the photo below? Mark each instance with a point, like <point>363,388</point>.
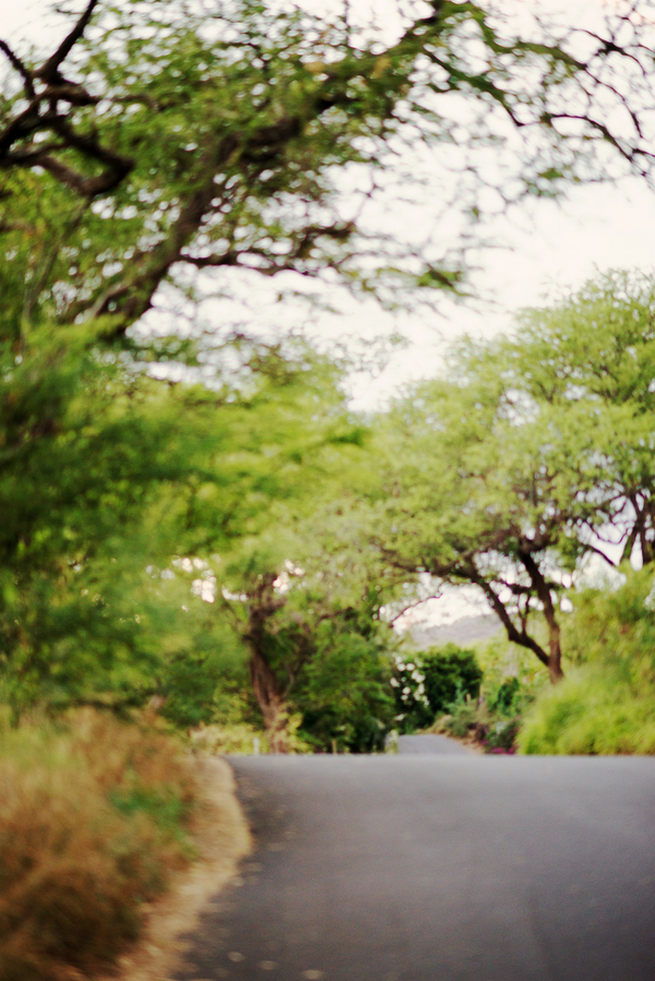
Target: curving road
<point>439,868</point>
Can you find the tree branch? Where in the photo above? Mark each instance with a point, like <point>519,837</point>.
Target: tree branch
<point>49,71</point>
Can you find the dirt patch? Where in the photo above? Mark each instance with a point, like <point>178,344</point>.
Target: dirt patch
<point>222,839</point>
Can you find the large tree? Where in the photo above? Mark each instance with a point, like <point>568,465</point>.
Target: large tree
<point>536,456</point>
<point>159,139</point>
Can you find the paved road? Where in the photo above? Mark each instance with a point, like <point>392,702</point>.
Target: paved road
<point>427,868</point>
<point>432,744</point>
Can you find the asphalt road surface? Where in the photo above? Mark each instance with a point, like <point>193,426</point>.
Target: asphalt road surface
<point>439,868</point>
<point>433,744</point>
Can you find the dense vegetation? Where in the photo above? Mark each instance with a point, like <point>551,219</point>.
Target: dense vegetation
<point>192,515</point>
<point>192,511</point>
<point>607,703</point>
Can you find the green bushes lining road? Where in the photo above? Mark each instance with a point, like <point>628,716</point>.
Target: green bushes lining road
<point>92,818</point>
<point>606,705</point>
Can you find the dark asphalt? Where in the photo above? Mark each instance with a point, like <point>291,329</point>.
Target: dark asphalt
<point>433,744</point>
<point>439,868</point>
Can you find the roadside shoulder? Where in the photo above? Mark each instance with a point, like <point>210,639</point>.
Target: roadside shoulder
<point>221,837</point>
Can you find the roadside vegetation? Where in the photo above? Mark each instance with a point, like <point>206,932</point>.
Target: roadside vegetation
<point>606,704</point>
<point>93,819</point>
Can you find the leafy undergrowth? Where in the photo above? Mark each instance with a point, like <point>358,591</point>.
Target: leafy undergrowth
<point>92,818</point>
<point>492,722</point>
<point>606,704</point>
<point>592,712</point>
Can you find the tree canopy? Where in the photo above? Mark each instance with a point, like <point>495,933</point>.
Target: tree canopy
<point>534,458</point>
<point>161,154</point>
<point>159,139</point>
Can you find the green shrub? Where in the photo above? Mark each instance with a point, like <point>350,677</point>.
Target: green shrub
<point>607,704</point>
<point>449,671</point>
<point>426,684</point>
<point>592,712</point>
<point>344,695</point>
<point>461,717</point>
<point>407,680</point>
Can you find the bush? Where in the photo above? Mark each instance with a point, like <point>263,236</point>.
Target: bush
<point>91,819</point>
<point>344,695</point>
<point>592,712</point>
<point>408,682</point>
<point>461,717</point>
<point>450,672</point>
<point>607,704</point>
<point>430,683</point>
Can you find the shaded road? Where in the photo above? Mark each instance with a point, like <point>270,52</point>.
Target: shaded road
<point>427,868</point>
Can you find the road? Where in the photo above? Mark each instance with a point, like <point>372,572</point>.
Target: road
<point>439,868</point>
<point>432,744</point>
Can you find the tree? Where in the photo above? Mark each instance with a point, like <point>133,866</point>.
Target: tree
<point>536,457</point>
<point>158,139</point>
<point>598,345</point>
<point>157,143</point>
<point>106,475</point>
<point>305,596</point>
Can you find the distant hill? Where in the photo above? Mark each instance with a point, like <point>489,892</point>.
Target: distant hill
<point>464,631</point>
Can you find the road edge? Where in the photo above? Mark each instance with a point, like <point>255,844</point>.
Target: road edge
<point>222,838</point>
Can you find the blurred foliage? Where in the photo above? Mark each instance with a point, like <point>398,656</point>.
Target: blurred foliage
<point>106,475</point>
<point>191,137</point>
<point>344,695</point>
<point>607,704</point>
<point>535,454</point>
<point>93,817</point>
<point>238,527</point>
<point>408,683</point>
<point>450,672</point>
<point>426,683</point>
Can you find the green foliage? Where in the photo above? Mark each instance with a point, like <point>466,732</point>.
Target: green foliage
<point>450,672</point>
<point>413,709</point>
<point>218,138</point>
<point>461,718</point>
<point>593,712</point>
<point>536,451</point>
<point>229,738</point>
<point>189,143</point>
<point>344,696</point>
<point>106,476</point>
<point>426,683</point>
<point>77,450</point>
<point>607,704</point>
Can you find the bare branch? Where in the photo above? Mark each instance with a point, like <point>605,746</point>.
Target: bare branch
<point>16,63</point>
<point>49,71</point>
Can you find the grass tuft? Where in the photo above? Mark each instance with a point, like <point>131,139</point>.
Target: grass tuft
<point>92,817</point>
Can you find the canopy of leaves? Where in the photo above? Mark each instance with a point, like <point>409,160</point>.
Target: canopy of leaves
<point>164,138</point>
<point>537,456</point>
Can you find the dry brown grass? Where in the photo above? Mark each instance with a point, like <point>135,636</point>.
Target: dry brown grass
<point>91,823</point>
<point>221,838</point>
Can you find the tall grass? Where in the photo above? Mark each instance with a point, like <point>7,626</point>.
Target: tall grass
<point>91,819</point>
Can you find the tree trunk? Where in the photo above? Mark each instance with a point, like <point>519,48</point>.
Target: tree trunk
<point>554,648</point>
<point>542,590</point>
<point>270,701</point>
